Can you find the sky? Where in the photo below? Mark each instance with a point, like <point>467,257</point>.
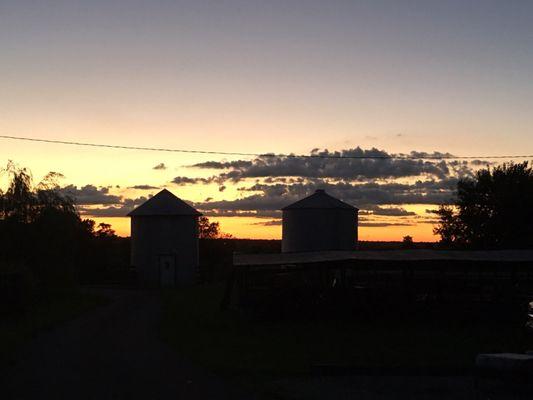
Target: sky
<point>356,77</point>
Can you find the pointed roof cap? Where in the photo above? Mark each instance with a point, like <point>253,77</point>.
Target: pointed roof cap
<point>164,203</point>
<point>320,199</point>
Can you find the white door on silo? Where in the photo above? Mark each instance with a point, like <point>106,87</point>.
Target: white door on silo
<point>167,270</point>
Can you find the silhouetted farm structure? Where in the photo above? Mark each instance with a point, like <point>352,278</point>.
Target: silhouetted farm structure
<point>317,266</point>
<point>164,241</point>
<point>319,222</point>
<point>381,280</point>
<point>164,235</point>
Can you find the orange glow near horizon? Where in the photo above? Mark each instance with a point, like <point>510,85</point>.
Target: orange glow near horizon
<point>253,228</point>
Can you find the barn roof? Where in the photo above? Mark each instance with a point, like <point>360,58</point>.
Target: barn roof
<point>320,199</point>
<point>164,203</point>
<point>383,255</point>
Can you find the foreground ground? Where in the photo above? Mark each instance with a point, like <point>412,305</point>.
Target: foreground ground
<point>232,343</point>
<point>113,352</point>
<point>17,329</point>
<point>137,347</point>
<point>389,356</point>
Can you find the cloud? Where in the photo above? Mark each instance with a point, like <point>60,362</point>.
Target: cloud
<point>223,164</point>
<point>144,187</point>
<point>111,211</point>
<point>363,194</point>
<point>259,202</point>
<point>431,221</point>
<point>185,180</point>
<point>370,197</point>
<point>383,224</point>
<point>349,164</point>
<point>240,213</point>
<point>387,211</point>
<point>160,166</point>
<point>90,194</point>
<point>378,186</point>
<point>272,222</point>
<point>119,210</point>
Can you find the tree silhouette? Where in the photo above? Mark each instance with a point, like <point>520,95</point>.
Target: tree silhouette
<point>104,231</point>
<point>210,230</point>
<point>42,233</point>
<point>407,242</point>
<point>492,210</point>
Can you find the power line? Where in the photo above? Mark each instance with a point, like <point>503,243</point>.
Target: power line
<point>231,153</point>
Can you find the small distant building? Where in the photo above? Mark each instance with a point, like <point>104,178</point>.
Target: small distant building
<point>319,222</point>
<point>164,241</point>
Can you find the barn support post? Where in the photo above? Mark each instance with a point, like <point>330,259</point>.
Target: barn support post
<point>230,283</point>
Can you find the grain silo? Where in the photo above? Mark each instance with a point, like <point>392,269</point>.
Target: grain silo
<point>164,241</point>
<point>319,222</point>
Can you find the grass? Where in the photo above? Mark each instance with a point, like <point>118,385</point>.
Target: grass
<point>59,307</point>
<point>228,343</point>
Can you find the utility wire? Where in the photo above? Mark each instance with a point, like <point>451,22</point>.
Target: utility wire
<point>230,153</point>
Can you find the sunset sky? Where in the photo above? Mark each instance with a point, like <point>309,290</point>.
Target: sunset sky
<point>355,77</point>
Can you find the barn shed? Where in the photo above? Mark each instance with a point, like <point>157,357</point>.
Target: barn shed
<point>164,241</point>
<point>319,222</point>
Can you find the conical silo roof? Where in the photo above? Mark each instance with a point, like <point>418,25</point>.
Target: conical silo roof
<point>319,200</point>
<point>164,203</point>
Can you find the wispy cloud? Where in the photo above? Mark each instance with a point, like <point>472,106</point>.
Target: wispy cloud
<point>160,166</point>
<point>144,187</point>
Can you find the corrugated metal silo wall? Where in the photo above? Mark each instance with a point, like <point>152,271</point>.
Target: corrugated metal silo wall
<point>154,236</point>
<point>319,229</point>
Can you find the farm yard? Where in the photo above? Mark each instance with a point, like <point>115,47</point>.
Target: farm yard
<point>233,343</point>
<point>257,200</point>
<point>293,322</point>
<point>393,354</point>
<point>48,313</point>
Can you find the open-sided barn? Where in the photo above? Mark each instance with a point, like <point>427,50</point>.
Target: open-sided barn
<point>399,275</point>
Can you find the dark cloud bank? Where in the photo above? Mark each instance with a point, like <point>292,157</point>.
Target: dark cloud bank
<point>326,164</point>
<point>364,182</point>
<point>368,183</point>
<point>378,186</point>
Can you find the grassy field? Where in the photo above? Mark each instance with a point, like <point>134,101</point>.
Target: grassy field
<point>228,343</point>
<point>15,331</point>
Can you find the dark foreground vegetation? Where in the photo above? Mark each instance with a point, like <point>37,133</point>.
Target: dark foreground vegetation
<point>364,337</point>
<point>46,251</point>
<point>47,247</point>
<point>18,329</point>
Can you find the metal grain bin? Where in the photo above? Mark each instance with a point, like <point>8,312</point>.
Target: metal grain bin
<point>164,241</point>
<point>317,223</point>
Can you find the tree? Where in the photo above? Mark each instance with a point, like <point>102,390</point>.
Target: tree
<point>104,231</point>
<point>407,242</point>
<point>210,230</point>
<point>41,230</point>
<point>207,229</point>
<point>492,210</point>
